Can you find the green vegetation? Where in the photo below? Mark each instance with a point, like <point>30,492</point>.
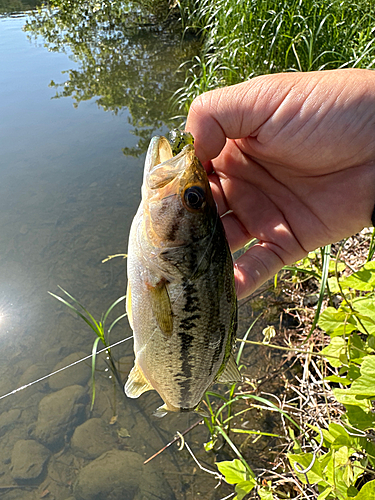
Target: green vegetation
<point>102,335</point>
<point>11,6</point>
<point>327,442</point>
<point>246,38</point>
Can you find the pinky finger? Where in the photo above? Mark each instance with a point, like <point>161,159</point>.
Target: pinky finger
<point>255,267</point>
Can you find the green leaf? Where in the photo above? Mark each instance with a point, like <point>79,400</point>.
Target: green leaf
<point>344,397</point>
<point>336,351</point>
<point>367,492</point>
<point>303,460</point>
<point>234,471</point>
<point>324,494</point>
<point>243,488</point>
<point>332,266</point>
<point>363,280</point>
<point>336,321</point>
<point>265,493</point>
<point>359,418</point>
<point>333,286</point>
<point>338,380</point>
<point>365,384</point>
<point>365,309</point>
<point>209,445</point>
<point>93,363</point>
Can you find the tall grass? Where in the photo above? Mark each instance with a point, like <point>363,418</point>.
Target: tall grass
<point>246,38</point>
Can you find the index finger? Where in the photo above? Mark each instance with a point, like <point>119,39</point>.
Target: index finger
<point>235,112</point>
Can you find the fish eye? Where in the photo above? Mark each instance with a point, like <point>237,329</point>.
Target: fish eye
<point>194,197</point>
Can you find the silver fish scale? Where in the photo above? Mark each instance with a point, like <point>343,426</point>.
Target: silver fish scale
<point>183,365</point>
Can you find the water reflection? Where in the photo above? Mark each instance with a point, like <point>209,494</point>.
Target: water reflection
<point>124,61</point>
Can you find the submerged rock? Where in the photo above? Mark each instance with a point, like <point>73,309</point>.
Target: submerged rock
<point>8,419</point>
<point>120,475</point>
<point>76,375</point>
<point>59,414</point>
<point>93,438</point>
<point>28,460</point>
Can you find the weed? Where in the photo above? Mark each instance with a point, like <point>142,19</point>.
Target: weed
<point>99,328</point>
<point>246,38</point>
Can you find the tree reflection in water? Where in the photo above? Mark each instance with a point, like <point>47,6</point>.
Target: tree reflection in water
<point>128,56</point>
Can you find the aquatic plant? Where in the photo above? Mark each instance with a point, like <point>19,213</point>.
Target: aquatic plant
<point>100,330</point>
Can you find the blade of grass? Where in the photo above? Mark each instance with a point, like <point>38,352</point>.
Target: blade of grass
<point>236,451</point>
<point>326,254</point>
<point>93,365</point>
<point>120,299</point>
<point>91,325</point>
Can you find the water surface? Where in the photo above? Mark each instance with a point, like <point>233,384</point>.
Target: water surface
<point>68,193</point>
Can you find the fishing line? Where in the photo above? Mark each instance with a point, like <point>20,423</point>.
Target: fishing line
<point>62,369</point>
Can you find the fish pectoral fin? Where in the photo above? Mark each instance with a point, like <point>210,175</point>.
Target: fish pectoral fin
<point>137,383</point>
<point>129,306</point>
<point>230,374</point>
<point>161,307</point>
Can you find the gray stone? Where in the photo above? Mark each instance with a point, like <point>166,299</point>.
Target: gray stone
<point>78,374</point>
<point>58,415</point>
<point>120,475</point>
<point>28,460</point>
<point>93,438</point>
<point>8,419</point>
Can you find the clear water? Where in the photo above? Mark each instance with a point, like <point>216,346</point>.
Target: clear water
<point>67,197</point>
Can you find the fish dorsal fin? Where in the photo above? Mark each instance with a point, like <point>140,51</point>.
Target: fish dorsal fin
<point>230,374</point>
<point>137,383</point>
<point>129,306</point>
<point>161,306</point>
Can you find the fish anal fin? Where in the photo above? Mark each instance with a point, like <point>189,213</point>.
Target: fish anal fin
<point>161,306</point>
<point>230,374</point>
<point>129,305</point>
<point>137,383</point>
<point>161,411</point>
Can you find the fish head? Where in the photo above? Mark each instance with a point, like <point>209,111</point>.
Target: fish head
<point>178,206</point>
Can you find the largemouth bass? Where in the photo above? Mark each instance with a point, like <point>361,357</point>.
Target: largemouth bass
<point>181,299</point>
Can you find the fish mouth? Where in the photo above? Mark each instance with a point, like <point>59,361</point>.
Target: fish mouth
<point>161,167</point>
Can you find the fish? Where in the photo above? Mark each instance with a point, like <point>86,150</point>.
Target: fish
<point>181,299</point>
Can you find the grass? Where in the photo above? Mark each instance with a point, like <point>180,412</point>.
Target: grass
<point>102,332</point>
<point>246,38</point>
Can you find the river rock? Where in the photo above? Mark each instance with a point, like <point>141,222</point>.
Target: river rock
<point>8,420</point>
<point>92,439</point>
<point>58,415</point>
<point>120,475</point>
<point>28,460</point>
<point>75,375</point>
<point>31,374</point>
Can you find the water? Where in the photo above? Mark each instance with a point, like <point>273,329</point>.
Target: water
<point>67,197</point>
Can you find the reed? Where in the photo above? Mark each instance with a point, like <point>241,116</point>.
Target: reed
<point>246,38</point>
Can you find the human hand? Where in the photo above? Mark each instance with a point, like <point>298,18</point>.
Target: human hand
<point>292,156</point>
